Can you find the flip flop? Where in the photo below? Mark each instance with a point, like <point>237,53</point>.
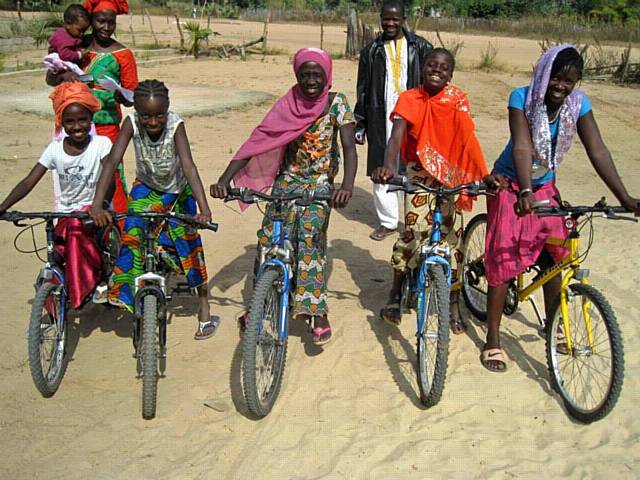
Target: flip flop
<point>207,329</point>
<point>391,314</point>
<point>321,335</point>
<point>493,355</point>
<point>381,233</point>
<point>561,343</point>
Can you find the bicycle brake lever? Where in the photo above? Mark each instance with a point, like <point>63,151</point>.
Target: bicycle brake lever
<point>18,224</point>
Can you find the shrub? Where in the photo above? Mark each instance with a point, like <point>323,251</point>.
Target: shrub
<point>488,57</point>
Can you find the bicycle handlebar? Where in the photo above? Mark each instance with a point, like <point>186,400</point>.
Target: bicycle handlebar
<point>247,195</point>
<point>15,216</point>
<point>403,183</point>
<point>566,210</point>
<point>186,219</point>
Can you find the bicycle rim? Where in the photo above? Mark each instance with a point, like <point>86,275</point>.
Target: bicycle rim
<point>589,379</point>
<point>475,286</point>
<point>263,354</point>
<point>433,340</point>
<point>47,336</point>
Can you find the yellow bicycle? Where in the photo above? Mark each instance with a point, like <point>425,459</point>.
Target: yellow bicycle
<point>583,341</point>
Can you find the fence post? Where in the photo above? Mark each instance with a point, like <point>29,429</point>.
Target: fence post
<point>180,33</point>
<point>352,34</point>
<point>133,36</point>
<point>265,32</point>
<point>153,34</point>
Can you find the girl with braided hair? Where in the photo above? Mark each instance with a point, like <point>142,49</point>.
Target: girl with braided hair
<point>166,180</point>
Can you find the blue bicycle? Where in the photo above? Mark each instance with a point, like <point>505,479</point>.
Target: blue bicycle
<point>426,290</point>
<point>264,343</point>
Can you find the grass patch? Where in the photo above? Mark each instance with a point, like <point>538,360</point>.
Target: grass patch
<point>488,57</point>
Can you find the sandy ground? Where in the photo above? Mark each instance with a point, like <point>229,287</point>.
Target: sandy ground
<point>350,410</point>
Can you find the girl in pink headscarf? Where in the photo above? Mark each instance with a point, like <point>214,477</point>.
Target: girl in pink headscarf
<point>295,148</point>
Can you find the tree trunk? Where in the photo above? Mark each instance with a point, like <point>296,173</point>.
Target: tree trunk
<point>153,34</point>
<point>265,33</point>
<point>351,49</point>
<point>180,33</point>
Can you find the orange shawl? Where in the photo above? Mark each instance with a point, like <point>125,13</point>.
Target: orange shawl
<point>440,135</point>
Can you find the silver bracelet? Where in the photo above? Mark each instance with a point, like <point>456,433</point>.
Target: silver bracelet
<point>524,191</point>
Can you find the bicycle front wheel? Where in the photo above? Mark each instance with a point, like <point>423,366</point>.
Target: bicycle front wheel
<point>589,377</point>
<point>263,354</point>
<point>149,356</point>
<point>47,339</point>
<point>474,281</point>
<point>433,339</point>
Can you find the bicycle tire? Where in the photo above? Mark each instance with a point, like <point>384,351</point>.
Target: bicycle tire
<point>474,281</point>
<point>436,294</point>
<point>47,382</point>
<point>609,349</point>
<point>265,302</point>
<point>149,356</point>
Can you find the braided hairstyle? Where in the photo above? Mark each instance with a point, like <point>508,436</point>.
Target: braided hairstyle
<point>148,89</point>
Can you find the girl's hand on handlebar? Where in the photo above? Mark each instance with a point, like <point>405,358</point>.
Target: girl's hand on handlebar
<point>523,205</point>
<point>381,175</point>
<point>632,204</point>
<point>203,217</point>
<point>100,216</point>
<point>340,197</point>
<point>495,181</point>
<point>219,190</point>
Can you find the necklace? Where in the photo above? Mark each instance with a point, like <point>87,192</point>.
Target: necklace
<point>396,62</point>
<point>555,115</point>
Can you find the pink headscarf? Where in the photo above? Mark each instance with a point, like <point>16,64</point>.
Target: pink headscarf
<point>289,118</point>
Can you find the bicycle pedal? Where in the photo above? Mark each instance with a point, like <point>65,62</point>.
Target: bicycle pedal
<point>100,295</point>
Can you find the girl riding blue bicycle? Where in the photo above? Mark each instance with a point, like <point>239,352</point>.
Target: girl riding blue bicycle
<point>434,135</point>
<point>295,148</point>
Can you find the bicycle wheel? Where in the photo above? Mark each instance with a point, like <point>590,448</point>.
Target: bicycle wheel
<point>474,281</point>
<point>149,356</point>
<point>47,338</point>
<point>589,380</point>
<point>433,340</point>
<point>263,355</point>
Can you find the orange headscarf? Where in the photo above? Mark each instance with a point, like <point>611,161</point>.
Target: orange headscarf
<point>441,136</point>
<point>118,6</point>
<point>72,92</point>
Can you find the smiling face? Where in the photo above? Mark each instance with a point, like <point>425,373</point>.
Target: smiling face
<point>561,84</point>
<point>437,72</point>
<point>152,114</point>
<point>76,121</point>
<point>311,79</point>
<point>391,21</point>
<point>103,24</point>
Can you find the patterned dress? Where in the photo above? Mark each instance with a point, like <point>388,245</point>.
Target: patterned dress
<point>120,65</point>
<point>311,163</point>
<point>181,243</point>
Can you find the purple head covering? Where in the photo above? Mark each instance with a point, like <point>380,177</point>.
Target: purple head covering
<point>289,118</point>
<point>536,112</point>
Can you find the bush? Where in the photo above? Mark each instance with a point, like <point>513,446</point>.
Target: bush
<point>488,57</point>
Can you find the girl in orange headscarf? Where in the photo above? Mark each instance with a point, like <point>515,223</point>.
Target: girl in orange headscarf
<point>77,159</point>
<point>434,134</point>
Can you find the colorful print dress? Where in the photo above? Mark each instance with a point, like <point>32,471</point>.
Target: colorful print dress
<point>311,162</point>
<point>181,243</point>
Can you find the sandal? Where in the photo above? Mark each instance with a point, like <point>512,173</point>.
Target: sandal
<point>322,335</point>
<point>561,342</point>
<point>381,233</point>
<point>207,329</point>
<point>391,314</point>
<point>493,355</point>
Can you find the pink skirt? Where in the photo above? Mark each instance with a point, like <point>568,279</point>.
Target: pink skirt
<point>514,243</point>
<point>83,260</point>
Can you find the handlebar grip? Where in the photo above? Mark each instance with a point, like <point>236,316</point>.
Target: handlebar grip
<point>88,222</point>
<point>212,226</point>
<point>398,180</point>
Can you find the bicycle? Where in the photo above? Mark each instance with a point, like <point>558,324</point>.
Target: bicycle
<point>151,299</point>
<point>47,330</point>
<point>264,342</point>
<point>583,334</point>
<point>426,289</point>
